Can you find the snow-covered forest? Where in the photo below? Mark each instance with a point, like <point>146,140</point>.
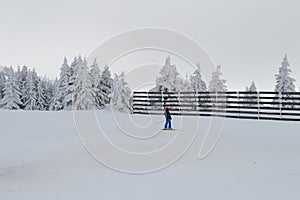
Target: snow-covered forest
<point>82,86</point>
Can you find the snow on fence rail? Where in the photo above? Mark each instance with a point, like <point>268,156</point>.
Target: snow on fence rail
<point>262,105</point>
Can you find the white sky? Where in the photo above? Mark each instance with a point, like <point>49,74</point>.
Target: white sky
<point>249,38</point>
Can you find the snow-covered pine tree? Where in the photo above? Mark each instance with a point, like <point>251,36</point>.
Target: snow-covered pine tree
<point>11,92</point>
<point>197,83</point>
<point>48,86</point>
<point>63,85</point>
<point>251,98</point>
<point>2,83</point>
<point>84,94</point>
<point>41,98</point>
<point>31,93</point>
<point>69,97</point>
<point>169,79</point>
<point>217,84</point>
<point>252,87</point>
<point>121,94</point>
<point>284,82</point>
<point>186,87</point>
<point>21,81</point>
<point>106,84</point>
<point>95,75</point>
<point>55,104</point>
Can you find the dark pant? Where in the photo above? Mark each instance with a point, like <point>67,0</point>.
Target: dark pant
<point>168,122</point>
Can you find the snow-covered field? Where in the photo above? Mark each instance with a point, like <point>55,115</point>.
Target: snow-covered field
<point>41,157</point>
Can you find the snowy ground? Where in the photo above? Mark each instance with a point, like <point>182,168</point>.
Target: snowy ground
<point>41,157</point>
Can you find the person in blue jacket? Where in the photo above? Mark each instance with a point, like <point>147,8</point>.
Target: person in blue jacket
<point>168,119</point>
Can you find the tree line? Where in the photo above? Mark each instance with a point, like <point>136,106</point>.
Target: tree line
<point>80,86</point>
<point>169,80</point>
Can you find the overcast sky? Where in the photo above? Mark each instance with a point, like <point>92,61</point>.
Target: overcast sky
<point>249,38</point>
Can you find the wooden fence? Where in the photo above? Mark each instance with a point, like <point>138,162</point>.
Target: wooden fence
<point>233,104</point>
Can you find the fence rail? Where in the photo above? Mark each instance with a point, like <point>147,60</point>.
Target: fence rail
<point>264,105</point>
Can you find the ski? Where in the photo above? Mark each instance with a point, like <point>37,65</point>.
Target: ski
<point>172,129</point>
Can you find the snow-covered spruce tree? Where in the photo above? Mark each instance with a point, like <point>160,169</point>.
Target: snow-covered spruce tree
<point>252,87</point>
<point>106,84</point>
<point>251,98</point>
<point>31,93</point>
<point>100,96</point>
<point>121,94</point>
<point>62,86</point>
<point>84,94</point>
<point>217,84</point>
<point>55,104</point>
<point>186,87</point>
<point>11,92</point>
<point>168,79</point>
<point>284,82</point>
<point>21,78</point>
<point>197,83</point>
<point>41,96</point>
<point>70,98</point>
<point>2,82</point>
<point>48,86</point>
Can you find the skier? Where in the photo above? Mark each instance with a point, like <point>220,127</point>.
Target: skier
<point>168,119</point>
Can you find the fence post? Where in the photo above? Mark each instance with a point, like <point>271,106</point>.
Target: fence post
<point>133,102</point>
<point>197,100</point>
<point>280,104</point>
<point>238,100</point>
<point>216,104</point>
<point>180,107</point>
<point>162,100</point>
<point>148,102</point>
<point>258,106</point>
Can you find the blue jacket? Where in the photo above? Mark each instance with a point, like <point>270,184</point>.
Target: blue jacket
<point>168,115</point>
